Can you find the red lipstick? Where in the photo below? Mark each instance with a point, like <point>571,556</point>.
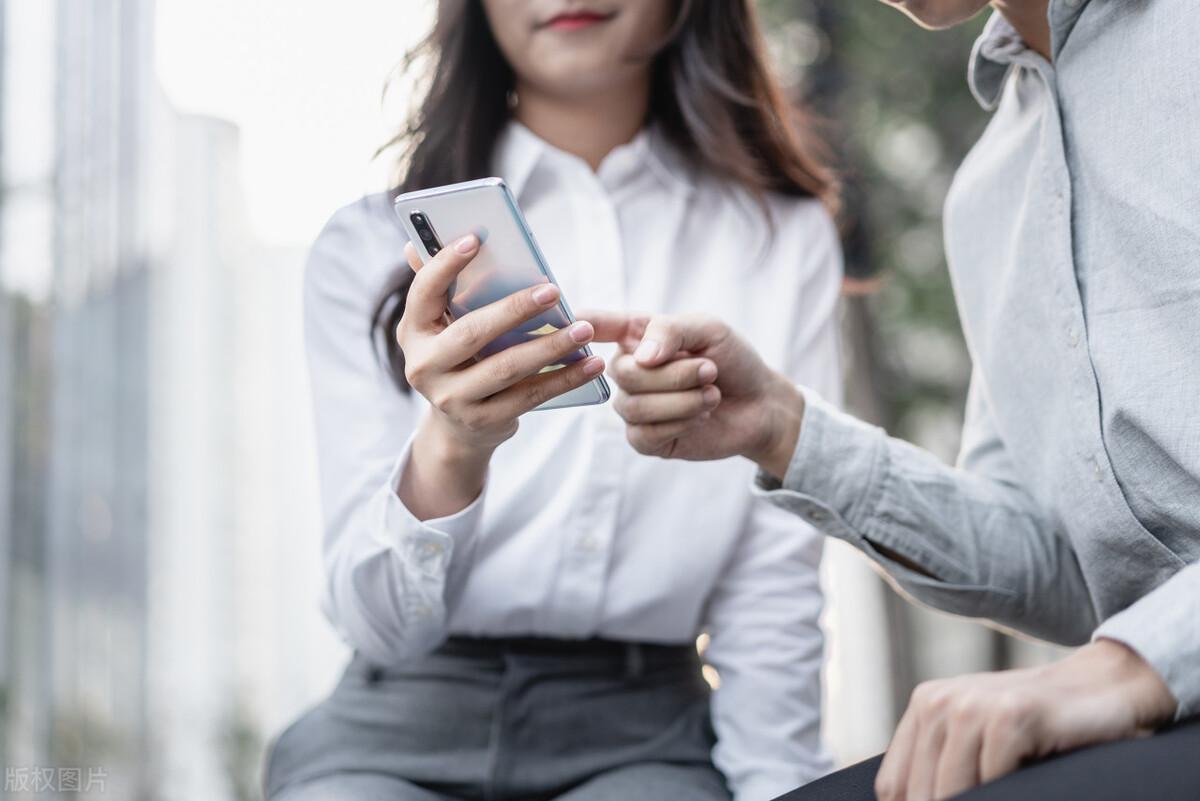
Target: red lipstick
<point>576,20</point>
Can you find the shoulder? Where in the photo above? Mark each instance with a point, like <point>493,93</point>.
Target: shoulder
<point>360,245</point>
<point>805,218</point>
<point>364,226</point>
<point>774,214</point>
<point>804,236</point>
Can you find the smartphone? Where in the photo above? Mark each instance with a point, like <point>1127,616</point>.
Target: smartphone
<point>508,260</point>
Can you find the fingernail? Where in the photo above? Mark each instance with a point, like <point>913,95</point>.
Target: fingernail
<point>545,294</point>
<point>593,366</point>
<point>581,331</point>
<point>647,351</point>
<point>466,244</point>
<point>711,395</point>
<point>707,372</point>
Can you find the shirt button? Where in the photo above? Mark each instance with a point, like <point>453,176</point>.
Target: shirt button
<point>589,543</point>
<point>1072,336</point>
<point>817,515</point>
<point>432,549</point>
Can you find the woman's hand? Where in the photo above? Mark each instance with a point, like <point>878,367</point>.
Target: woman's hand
<point>958,733</point>
<point>693,389</point>
<point>474,404</point>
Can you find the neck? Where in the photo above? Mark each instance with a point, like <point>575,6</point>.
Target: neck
<point>1030,18</point>
<point>589,126</point>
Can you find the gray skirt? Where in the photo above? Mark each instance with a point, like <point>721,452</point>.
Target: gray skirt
<point>507,719</point>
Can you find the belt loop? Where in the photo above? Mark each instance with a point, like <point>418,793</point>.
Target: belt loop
<point>634,660</point>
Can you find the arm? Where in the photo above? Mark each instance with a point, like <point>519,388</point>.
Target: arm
<point>387,573</point>
<point>966,539</point>
<point>402,491</point>
<point>767,647</point>
<point>956,733</point>
<point>1163,628</point>
<point>764,617</point>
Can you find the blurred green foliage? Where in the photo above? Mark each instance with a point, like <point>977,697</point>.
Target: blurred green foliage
<point>899,116</point>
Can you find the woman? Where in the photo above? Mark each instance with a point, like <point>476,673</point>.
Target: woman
<point>522,607</point>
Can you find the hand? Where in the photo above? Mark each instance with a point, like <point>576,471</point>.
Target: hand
<point>958,733</point>
<point>693,389</point>
<point>475,403</point>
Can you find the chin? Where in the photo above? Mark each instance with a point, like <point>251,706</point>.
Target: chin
<point>574,74</point>
<point>939,14</point>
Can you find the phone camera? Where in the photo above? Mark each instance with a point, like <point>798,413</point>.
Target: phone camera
<point>425,231</point>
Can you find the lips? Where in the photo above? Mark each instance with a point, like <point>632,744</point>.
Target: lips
<point>577,20</point>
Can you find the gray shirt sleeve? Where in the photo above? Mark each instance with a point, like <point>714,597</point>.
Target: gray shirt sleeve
<point>1164,628</point>
<point>987,547</point>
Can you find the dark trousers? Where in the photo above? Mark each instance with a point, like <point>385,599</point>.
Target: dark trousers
<point>1165,767</point>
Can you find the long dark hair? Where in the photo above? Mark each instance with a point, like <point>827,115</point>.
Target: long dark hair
<point>713,97</point>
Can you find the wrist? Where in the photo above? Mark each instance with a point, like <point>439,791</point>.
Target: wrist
<point>442,445</point>
<point>781,415</point>
<point>444,474</point>
<point>1125,671</point>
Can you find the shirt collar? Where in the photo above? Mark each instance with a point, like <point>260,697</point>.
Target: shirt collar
<point>520,151</point>
<point>999,46</point>
<point>992,58</point>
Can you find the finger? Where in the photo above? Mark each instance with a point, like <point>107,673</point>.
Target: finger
<point>468,335</point>
<point>536,390</point>
<point>619,327</point>
<point>892,778</point>
<point>426,301</point>
<point>927,751</point>
<point>657,439</point>
<point>1001,751</point>
<point>666,336</point>
<point>662,407</point>
<point>958,767</point>
<point>676,376</point>
<point>512,365</point>
<point>414,260</point>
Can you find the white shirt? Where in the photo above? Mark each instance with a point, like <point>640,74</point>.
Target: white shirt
<point>576,535</point>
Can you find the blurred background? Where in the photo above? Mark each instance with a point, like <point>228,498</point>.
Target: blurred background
<point>163,165</point>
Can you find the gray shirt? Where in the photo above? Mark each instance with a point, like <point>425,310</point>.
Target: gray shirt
<point>1073,235</point>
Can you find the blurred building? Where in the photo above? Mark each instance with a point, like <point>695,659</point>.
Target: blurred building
<point>159,545</point>
<point>76,262</point>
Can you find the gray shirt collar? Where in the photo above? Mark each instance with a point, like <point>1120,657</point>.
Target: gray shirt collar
<point>999,46</point>
<point>992,58</point>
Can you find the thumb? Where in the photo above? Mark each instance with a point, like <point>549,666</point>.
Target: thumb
<point>666,336</point>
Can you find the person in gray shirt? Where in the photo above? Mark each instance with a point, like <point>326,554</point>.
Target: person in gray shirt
<point>1073,514</point>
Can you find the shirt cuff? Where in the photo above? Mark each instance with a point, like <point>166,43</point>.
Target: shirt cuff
<point>1162,628</point>
<point>427,544</point>
<point>836,472</point>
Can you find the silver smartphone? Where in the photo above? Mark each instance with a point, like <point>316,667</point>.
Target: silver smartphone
<point>508,260</point>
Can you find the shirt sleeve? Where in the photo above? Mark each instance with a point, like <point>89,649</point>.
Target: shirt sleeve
<point>988,549</point>
<point>1164,628</point>
<point>389,576</point>
<point>766,642</point>
<point>767,648</point>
